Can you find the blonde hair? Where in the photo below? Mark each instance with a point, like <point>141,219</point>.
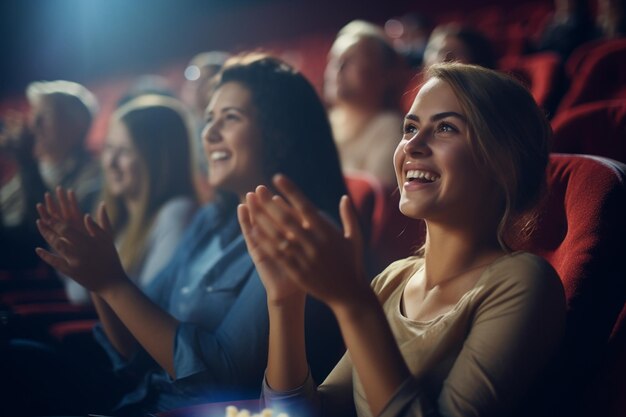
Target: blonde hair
<point>509,135</point>
<point>159,129</point>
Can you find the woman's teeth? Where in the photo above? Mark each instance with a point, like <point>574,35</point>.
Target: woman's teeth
<point>423,176</point>
<point>218,155</point>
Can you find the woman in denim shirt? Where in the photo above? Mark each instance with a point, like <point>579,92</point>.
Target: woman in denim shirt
<point>201,333</point>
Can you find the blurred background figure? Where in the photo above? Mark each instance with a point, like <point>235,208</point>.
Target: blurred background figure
<point>147,84</point>
<point>196,94</point>
<point>363,82</point>
<point>570,26</point>
<point>611,18</point>
<point>409,34</point>
<point>148,187</point>
<point>454,42</point>
<point>49,149</point>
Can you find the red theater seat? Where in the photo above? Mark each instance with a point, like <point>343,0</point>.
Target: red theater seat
<point>581,231</point>
<point>602,76</point>
<point>389,234</point>
<point>579,55</point>
<point>541,72</point>
<point>597,128</point>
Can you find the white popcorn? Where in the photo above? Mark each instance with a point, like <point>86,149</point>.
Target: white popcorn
<point>232,411</point>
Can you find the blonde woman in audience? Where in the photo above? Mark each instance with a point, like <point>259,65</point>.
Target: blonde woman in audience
<point>465,327</point>
<point>148,185</point>
<point>363,82</point>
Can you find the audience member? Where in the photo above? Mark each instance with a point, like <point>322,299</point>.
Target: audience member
<point>410,34</point>
<point>452,330</point>
<point>147,84</point>
<point>456,43</point>
<point>148,186</point>
<point>201,333</point>
<point>363,82</point>
<point>50,149</point>
<point>570,26</point>
<point>611,18</point>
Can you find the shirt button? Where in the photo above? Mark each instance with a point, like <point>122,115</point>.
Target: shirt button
<point>209,288</point>
<point>185,290</point>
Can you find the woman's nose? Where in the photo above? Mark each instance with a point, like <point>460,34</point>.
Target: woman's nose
<point>211,132</point>
<point>417,145</point>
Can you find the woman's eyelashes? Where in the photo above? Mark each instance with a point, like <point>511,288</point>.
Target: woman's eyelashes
<point>446,128</point>
<point>231,116</point>
<point>440,129</point>
<point>227,116</point>
<point>409,129</point>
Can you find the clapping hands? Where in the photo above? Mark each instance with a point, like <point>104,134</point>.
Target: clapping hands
<point>296,248</point>
<point>82,248</point>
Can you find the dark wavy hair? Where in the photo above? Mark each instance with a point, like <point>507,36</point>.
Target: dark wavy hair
<point>297,138</point>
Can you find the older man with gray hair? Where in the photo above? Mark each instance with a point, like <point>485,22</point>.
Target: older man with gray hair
<point>49,149</point>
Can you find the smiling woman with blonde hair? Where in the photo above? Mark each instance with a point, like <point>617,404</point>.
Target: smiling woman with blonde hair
<point>148,185</point>
<point>454,330</point>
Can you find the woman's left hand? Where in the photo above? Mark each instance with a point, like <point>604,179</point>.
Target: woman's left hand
<point>83,249</point>
<point>310,249</point>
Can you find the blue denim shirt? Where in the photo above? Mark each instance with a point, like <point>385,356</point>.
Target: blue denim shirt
<point>220,349</point>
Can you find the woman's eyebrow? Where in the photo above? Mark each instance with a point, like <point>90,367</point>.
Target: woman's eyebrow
<point>437,116</point>
<point>228,108</point>
<point>225,109</point>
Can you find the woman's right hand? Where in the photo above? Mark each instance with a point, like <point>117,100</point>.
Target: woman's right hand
<point>280,289</point>
<point>303,246</point>
<point>82,249</point>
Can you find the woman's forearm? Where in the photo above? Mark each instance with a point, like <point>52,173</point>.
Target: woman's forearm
<point>152,327</point>
<point>122,340</point>
<point>372,347</point>
<point>287,366</point>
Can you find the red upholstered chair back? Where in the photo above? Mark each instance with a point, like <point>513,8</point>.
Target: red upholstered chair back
<point>602,76</point>
<point>368,196</point>
<point>597,128</point>
<point>579,56</point>
<point>388,233</point>
<point>541,72</point>
<point>581,231</point>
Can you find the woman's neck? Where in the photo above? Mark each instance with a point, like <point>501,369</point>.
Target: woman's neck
<point>451,253</point>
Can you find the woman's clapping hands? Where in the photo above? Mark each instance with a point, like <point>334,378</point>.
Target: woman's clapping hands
<point>81,248</point>
<point>296,248</point>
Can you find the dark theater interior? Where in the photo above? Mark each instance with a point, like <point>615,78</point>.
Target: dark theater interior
<point>313,208</point>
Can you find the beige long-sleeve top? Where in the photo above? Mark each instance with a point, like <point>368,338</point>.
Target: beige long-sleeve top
<point>478,359</point>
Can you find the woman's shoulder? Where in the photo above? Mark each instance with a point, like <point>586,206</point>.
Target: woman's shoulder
<point>395,275</point>
<point>523,273</point>
<point>177,212</point>
<point>178,206</point>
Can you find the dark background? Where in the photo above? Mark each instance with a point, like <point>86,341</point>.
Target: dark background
<point>87,40</point>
